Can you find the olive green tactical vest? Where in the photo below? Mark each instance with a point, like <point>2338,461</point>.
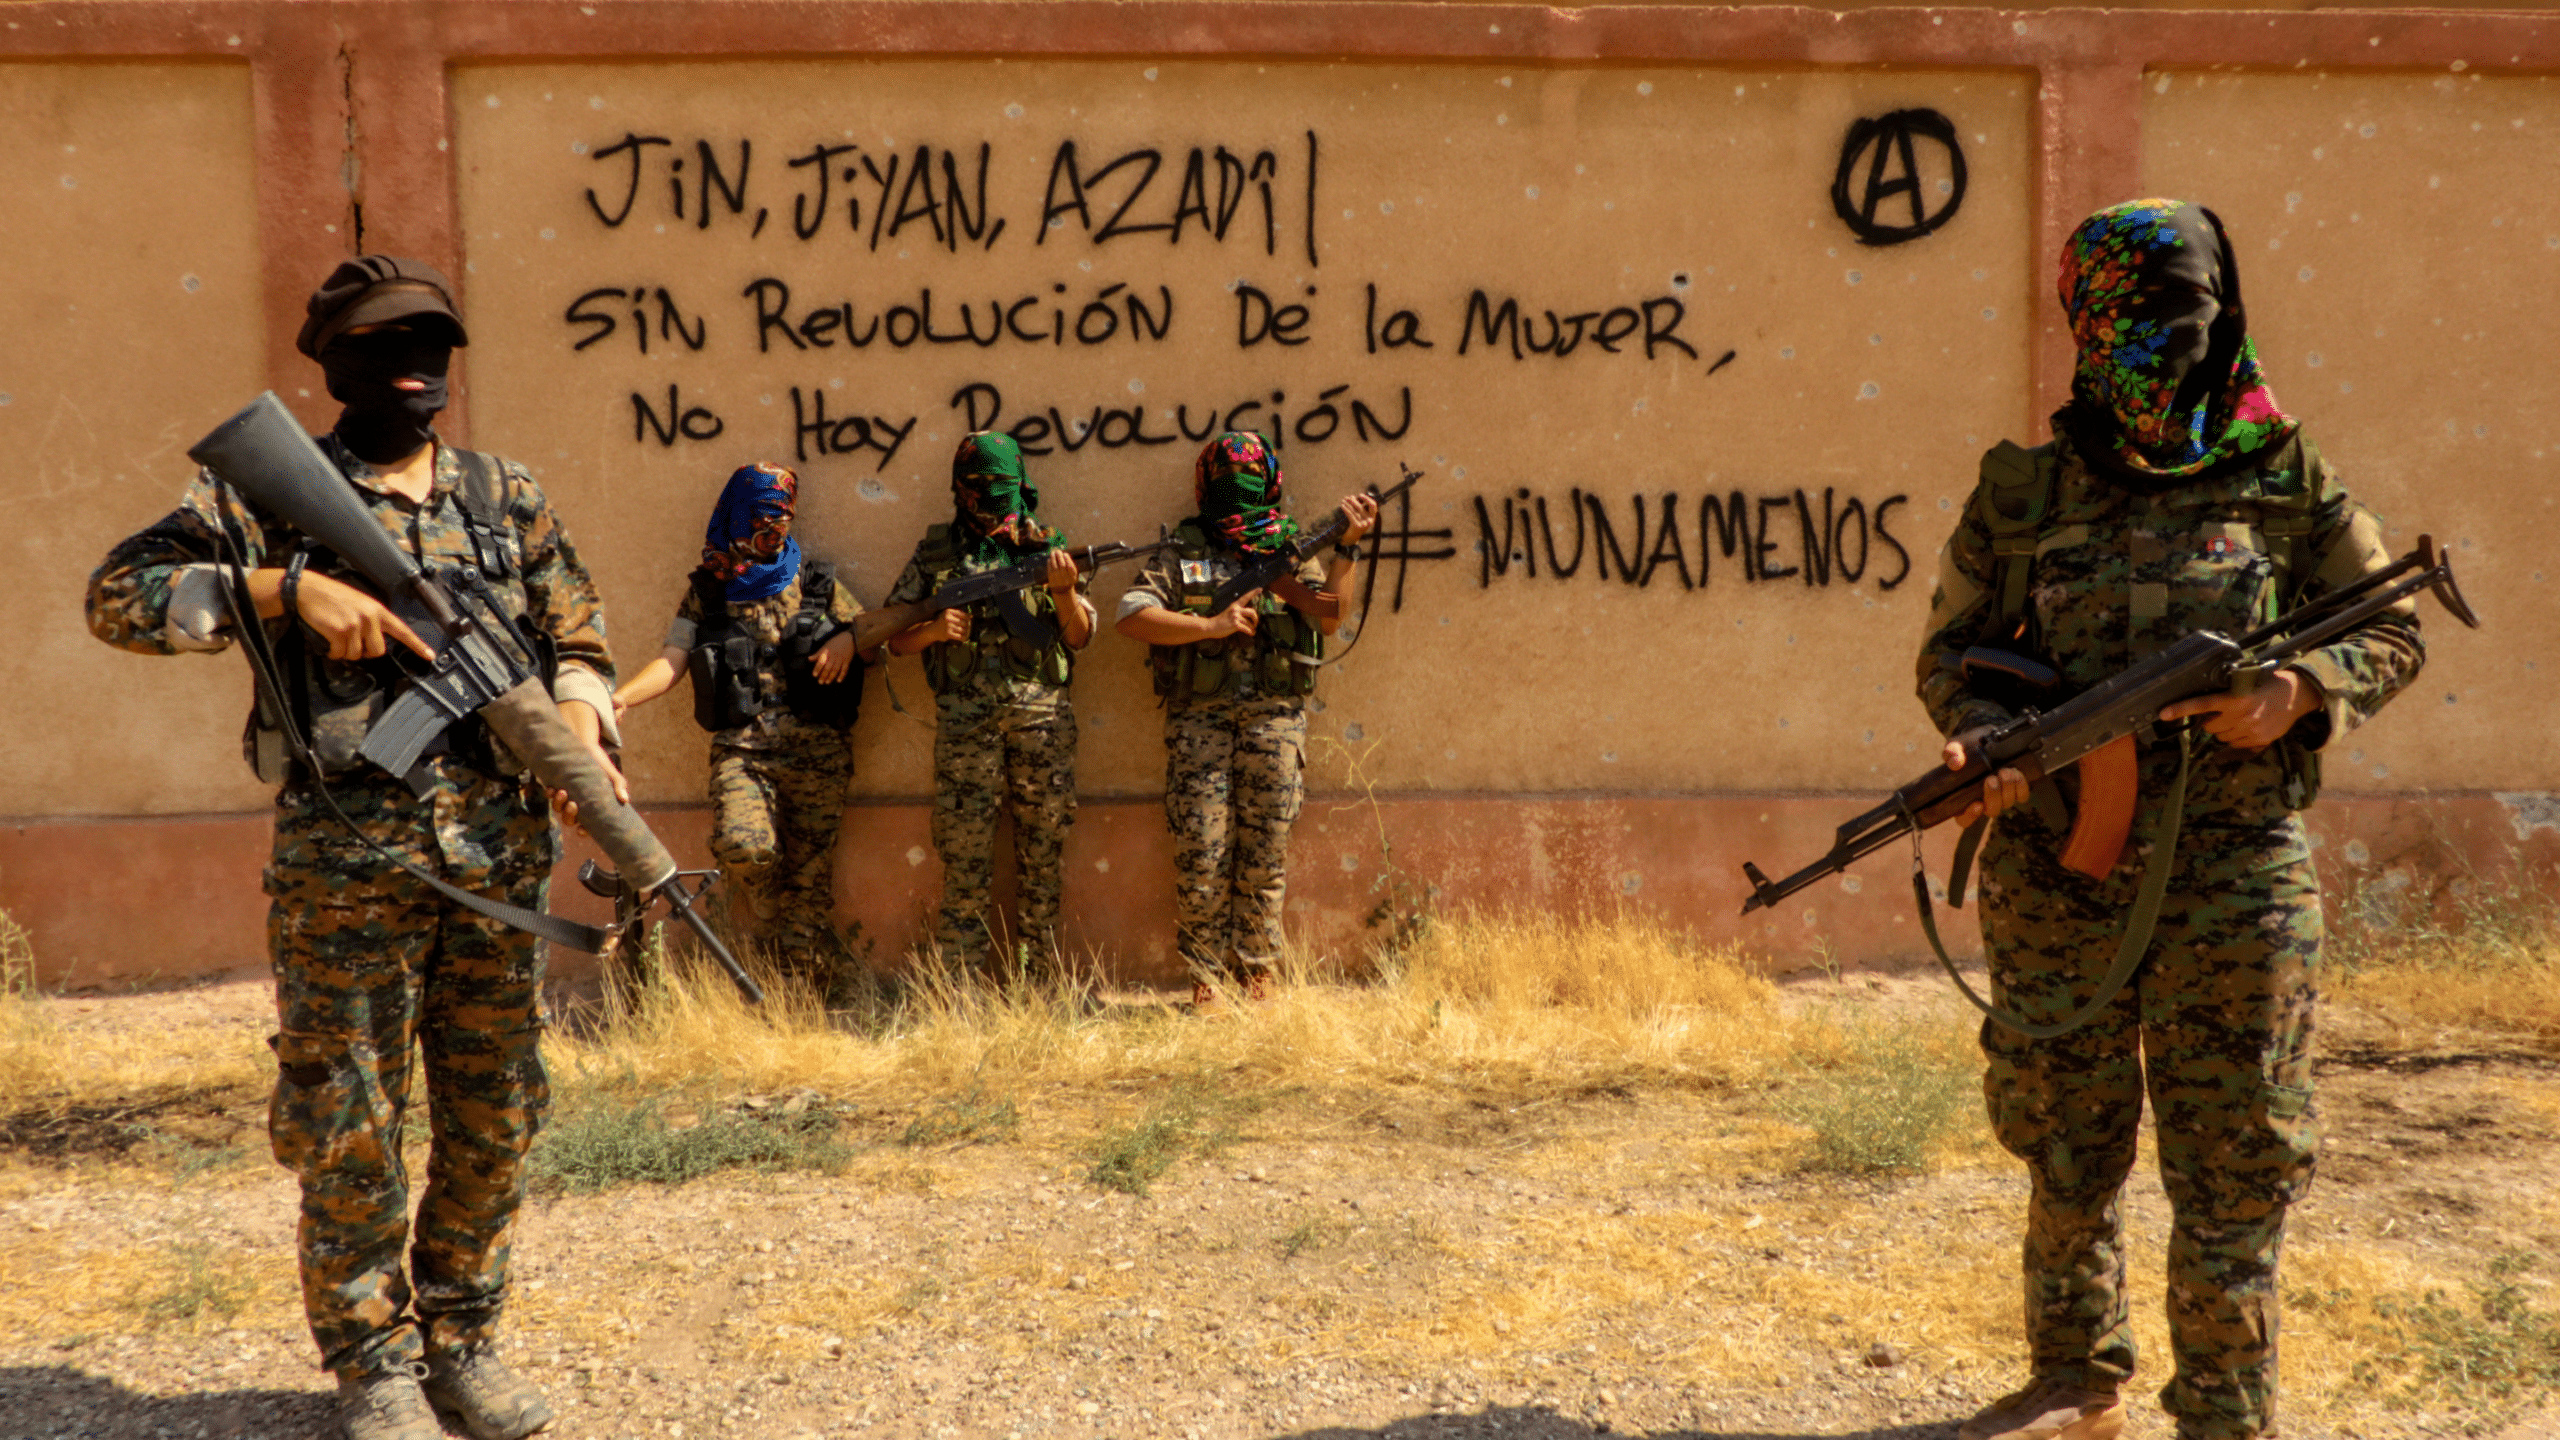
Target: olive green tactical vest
<point>991,650</point>
<point>2016,492</point>
<point>1231,664</point>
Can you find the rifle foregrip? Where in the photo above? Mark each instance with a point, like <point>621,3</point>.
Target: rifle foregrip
<point>529,721</point>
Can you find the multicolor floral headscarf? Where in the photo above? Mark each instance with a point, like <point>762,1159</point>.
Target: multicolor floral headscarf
<point>2167,383</point>
<point>748,542</point>
<point>995,507</point>
<point>1236,484</point>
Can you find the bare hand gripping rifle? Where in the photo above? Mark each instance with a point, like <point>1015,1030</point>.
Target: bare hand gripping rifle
<point>1005,587</point>
<point>2095,730</point>
<point>1282,564</point>
<point>483,665</point>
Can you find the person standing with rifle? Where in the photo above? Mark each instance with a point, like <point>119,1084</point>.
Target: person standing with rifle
<point>769,646</point>
<point>2175,497</point>
<point>1234,678</point>
<point>1004,726</point>
<point>375,967</point>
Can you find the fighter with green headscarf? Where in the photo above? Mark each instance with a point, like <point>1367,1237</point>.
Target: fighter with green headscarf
<point>1235,685</point>
<point>1003,724</point>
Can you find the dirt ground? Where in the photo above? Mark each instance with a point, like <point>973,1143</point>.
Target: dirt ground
<point>1426,1261</point>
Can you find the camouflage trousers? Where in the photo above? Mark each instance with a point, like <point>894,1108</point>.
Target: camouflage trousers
<point>985,753</point>
<point>1233,784</point>
<point>375,972</point>
<point>775,812</point>
<point>2216,1029</point>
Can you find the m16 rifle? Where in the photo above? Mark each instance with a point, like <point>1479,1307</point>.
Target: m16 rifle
<point>2095,730</point>
<point>1280,565</point>
<point>1005,587</point>
<point>483,665</point>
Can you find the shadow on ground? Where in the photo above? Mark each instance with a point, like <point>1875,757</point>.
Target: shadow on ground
<point>56,1402</point>
<point>1514,1423</point>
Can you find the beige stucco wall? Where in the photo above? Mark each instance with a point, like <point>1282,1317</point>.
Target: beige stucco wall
<point>2400,241</point>
<point>133,315</point>
<point>1872,373</point>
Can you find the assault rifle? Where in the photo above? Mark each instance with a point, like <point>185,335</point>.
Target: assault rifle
<point>1283,563</point>
<point>1005,587</point>
<point>2095,730</point>
<point>483,665</point>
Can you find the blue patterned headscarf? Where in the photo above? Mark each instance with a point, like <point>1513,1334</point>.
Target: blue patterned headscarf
<point>749,542</point>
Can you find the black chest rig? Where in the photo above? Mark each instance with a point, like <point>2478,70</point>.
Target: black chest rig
<point>336,702</point>
<point>731,666</point>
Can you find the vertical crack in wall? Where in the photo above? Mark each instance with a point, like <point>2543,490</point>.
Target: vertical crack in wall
<point>350,165</point>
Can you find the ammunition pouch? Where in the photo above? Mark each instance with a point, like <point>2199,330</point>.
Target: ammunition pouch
<point>992,653</point>
<point>728,665</point>
<point>1273,661</point>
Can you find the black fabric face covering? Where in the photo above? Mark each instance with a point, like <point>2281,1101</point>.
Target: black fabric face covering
<point>383,423</point>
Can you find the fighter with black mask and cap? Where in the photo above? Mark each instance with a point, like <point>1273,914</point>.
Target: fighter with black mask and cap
<point>372,967</point>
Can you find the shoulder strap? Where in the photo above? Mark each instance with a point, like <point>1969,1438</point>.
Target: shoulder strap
<point>712,593</point>
<point>2288,519</point>
<point>483,497</point>
<point>2015,492</point>
<point>817,585</point>
<point>936,553</point>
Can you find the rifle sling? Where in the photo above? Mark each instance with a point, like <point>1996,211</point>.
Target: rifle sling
<point>2130,951</point>
<point>262,662</point>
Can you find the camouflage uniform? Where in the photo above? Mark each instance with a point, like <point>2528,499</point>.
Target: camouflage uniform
<point>1233,782</point>
<point>1003,729</point>
<point>371,967</point>
<point>2216,1025</point>
<point>778,787</point>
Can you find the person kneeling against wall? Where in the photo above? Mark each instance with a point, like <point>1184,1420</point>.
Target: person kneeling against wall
<point>765,640</point>
<point>1235,693</point>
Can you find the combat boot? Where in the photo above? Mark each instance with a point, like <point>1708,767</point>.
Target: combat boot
<point>2048,1410</point>
<point>387,1404</point>
<point>492,1401</point>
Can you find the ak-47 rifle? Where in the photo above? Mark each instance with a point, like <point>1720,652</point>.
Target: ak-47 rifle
<point>2095,730</point>
<point>483,665</point>
<point>1283,563</point>
<point>1005,587</point>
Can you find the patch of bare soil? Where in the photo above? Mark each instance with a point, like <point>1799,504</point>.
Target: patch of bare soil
<point>1409,1262</point>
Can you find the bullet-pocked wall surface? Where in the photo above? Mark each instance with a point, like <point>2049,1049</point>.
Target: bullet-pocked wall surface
<point>2399,240</point>
<point>133,315</point>
<point>1688,446</point>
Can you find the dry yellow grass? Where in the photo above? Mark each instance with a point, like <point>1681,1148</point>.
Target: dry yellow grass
<point>1519,1002</point>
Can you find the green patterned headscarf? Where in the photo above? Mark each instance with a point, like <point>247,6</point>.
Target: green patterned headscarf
<point>1236,484</point>
<point>2166,384</point>
<point>995,507</point>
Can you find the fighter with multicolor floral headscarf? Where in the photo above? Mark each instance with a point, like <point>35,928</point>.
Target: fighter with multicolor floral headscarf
<point>1236,683</point>
<point>1236,485</point>
<point>2176,497</point>
<point>2166,384</point>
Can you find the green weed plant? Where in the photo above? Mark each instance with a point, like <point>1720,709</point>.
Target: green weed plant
<point>601,1140</point>
<point>1194,1117</point>
<point>1885,1107</point>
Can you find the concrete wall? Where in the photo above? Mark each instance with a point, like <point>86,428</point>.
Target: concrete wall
<point>1522,726</point>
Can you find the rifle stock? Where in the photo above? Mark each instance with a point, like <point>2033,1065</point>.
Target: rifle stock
<point>266,455</point>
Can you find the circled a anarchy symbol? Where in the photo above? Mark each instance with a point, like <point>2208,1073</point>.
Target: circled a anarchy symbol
<point>1885,142</point>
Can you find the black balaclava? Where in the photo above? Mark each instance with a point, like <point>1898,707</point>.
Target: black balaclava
<point>378,320</point>
<point>383,422</point>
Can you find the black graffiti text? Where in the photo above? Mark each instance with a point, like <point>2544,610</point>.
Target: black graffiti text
<point>1114,312</point>
<point>1513,326</point>
<point>1131,195</point>
<point>603,310</point>
<point>1043,429</point>
<point>815,431</point>
<point>1762,537</point>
